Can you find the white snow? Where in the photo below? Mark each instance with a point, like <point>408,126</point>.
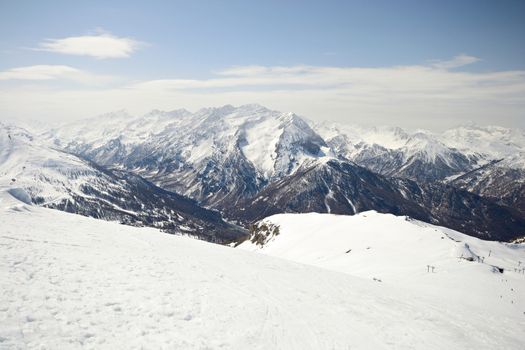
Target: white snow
<point>427,148</point>
<point>38,170</point>
<point>261,143</point>
<point>384,136</point>
<point>69,281</point>
<point>494,141</point>
<point>200,151</point>
<point>396,248</point>
<point>484,143</point>
<point>269,140</point>
<point>400,252</point>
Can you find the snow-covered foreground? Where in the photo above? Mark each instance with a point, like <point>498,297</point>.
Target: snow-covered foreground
<point>69,281</point>
<point>456,271</point>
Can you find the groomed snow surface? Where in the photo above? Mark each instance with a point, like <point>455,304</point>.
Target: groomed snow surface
<point>69,281</point>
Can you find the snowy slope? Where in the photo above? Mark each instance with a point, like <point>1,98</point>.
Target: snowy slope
<point>488,161</point>
<point>397,252</point>
<point>261,134</point>
<point>47,175</point>
<point>392,151</point>
<point>460,149</point>
<point>70,282</point>
<point>502,171</point>
<point>492,142</point>
<point>224,157</point>
<point>42,175</point>
<point>194,153</point>
<point>395,249</point>
<point>272,142</point>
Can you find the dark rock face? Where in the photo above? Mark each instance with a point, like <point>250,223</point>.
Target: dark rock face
<point>344,188</point>
<point>418,170</point>
<point>416,167</point>
<point>221,180</point>
<point>379,159</point>
<point>222,173</point>
<point>335,187</point>
<point>421,159</point>
<point>469,213</point>
<point>133,200</point>
<point>502,184</point>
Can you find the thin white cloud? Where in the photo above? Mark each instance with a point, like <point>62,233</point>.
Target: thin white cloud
<point>457,61</point>
<point>430,80</point>
<point>38,72</point>
<point>100,46</point>
<point>421,96</point>
<point>53,72</point>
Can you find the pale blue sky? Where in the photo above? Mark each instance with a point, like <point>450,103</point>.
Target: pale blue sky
<point>185,44</point>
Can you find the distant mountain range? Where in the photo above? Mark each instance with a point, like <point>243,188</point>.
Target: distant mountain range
<point>35,173</point>
<point>249,162</point>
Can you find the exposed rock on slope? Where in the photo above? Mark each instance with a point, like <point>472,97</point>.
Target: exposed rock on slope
<point>63,181</point>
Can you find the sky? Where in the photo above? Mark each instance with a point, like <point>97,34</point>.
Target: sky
<point>414,64</point>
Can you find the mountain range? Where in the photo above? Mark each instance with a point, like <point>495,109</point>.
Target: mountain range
<point>35,173</point>
<point>248,162</point>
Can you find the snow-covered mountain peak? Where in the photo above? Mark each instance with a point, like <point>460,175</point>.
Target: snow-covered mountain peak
<point>279,142</point>
<point>215,112</point>
<point>13,132</point>
<point>493,142</point>
<point>97,129</point>
<point>385,136</point>
<point>253,108</point>
<point>202,150</point>
<point>290,117</point>
<point>176,113</point>
<point>121,114</point>
<point>231,153</point>
<point>426,147</point>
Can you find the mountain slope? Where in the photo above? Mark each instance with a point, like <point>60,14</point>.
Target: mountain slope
<point>502,174</point>
<point>333,186</point>
<point>500,180</point>
<point>329,186</point>
<point>490,142</point>
<point>419,156</point>
<point>233,159</point>
<point>44,176</point>
<point>214,155</point>
<point>71,281</point>
<point>275,144</point>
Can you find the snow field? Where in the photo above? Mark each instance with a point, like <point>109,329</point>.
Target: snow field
<point>70,282</point>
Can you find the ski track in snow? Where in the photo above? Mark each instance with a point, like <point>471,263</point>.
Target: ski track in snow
<point>74,282</point>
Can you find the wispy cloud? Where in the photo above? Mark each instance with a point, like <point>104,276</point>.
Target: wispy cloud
<point>457,61</point>
<point>53,72</point>
<point>432,95</point>
<point>101,46</point>
<point>434,80</point>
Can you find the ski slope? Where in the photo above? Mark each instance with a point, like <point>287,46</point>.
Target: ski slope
<point>70,281</point>
<point>456,271</point>
<point>396,248</point>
